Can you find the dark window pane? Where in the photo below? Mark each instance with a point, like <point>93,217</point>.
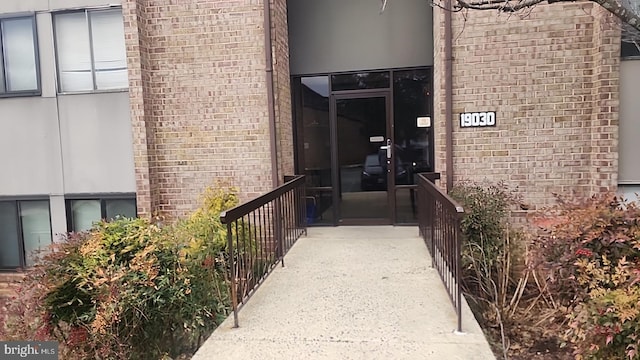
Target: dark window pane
<point>630,41</point>
<point>2,79</point>
<point>36,228</point>
<point>362,125</point>
<point>630,49</point>
<point>406,206</point>
<point>413,137</point>
<point>316,136</point>
<point>121,207</point>
<point>9,239</point>
<point>365,80</point>
<point>319,206</point>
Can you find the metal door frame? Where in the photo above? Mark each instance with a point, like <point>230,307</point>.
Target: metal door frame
<point>335,167</point>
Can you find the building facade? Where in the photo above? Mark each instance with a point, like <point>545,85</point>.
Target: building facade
<point>65,128</point>
<point>133,107</point>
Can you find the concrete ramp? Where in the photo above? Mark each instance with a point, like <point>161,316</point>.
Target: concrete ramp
<point>361,292</point>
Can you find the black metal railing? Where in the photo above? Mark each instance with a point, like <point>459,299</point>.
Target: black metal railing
<point>439,224</point>
<point>259,233</point>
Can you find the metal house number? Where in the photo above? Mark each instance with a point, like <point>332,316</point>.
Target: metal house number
<point>478,119</point>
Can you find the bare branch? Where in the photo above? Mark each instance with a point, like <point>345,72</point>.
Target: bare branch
<point>623,9</point>
<point>434,4</point>
<point>628,16</point>
<point>383,5</point>
<point>501,5</point>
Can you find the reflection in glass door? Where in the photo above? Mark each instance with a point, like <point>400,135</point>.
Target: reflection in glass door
<point>361,158</point>
<point>343,122</point>
<point>314,147</point>
<point>412,138</point>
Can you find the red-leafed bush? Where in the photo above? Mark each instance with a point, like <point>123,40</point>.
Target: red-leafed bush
<point>589,254</point>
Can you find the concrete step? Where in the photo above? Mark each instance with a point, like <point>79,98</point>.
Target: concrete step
<point>7,292</point>
<point>8,282</point>
<point>11,277</point>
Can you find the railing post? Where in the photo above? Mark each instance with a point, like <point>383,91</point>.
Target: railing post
<point>458,254</point>
<point>234,280</point>
<point>278,230</point>
<point>431,200</point>
<point>303,203</point>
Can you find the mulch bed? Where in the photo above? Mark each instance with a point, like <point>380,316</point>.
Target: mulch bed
<point>530,343</point>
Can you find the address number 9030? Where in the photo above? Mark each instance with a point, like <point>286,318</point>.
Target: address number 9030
<point>478,119</point>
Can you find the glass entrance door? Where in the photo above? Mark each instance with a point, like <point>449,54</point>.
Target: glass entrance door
<point>361,158</point>
<point>342,125</point>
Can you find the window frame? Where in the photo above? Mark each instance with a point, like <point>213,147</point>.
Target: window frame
<point>36,53</point>
<point>21,247</point>
<point>102,198</point>
<point>87,12</point>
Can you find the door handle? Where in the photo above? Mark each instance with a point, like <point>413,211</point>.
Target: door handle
<point>388,148</point>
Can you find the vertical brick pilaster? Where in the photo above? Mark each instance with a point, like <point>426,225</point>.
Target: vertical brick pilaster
<point>284,123</point>
<point>439,120</point>
<point>606,84</point>
<point>137,63</point>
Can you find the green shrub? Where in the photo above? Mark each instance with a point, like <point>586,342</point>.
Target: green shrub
<point>128,288</point>
<point>590,254</point>
<point>491,252</point>
<point>488,240</point>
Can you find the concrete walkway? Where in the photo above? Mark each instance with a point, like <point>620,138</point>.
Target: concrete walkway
<point>351,293</point>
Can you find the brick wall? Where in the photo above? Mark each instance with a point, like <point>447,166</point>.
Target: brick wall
<point>551,79</point>
<point>198,99</point>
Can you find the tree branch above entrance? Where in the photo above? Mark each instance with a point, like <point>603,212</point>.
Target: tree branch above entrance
<point>628,11</point>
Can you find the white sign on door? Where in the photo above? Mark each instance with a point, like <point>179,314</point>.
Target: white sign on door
<point>423,121</point>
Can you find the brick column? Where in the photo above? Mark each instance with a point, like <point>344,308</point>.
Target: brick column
<point>551,79</point>
<point>198,99</point>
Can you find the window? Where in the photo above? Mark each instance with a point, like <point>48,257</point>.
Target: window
<point>630,36</point>
<point>18,65</point>
<point>83,213</point>
<point>25,228</point>
<point>364,80</point>
<point>629,192</point>
<point>630,49</point>
<point>91,51</point>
